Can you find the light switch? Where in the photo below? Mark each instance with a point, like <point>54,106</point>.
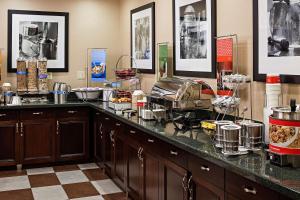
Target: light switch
<point>80,75</point>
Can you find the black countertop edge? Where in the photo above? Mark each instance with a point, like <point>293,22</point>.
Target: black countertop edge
<point>267,182</point>
<point>44,105</point>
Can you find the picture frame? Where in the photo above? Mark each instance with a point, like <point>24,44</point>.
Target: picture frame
<point>195,40</point>
<point>34,34</point>
<point>275,41</point>
<point>163,64</point>
<point>142,31</point>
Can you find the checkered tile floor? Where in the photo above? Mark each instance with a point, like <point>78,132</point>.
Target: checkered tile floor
<point>80,182</point>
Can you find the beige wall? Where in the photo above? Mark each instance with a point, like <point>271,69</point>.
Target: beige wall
<point>233,16</point>
<point>93,23</point>
<point>106,23</point>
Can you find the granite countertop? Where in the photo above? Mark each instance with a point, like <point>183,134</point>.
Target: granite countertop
<point>253,166</point>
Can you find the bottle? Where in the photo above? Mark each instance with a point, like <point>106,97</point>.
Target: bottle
<point>272,99</point>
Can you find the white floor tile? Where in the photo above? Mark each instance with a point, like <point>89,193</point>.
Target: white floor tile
<point>14,183</point>
<point>90,198</point>
<point>45,170</point>
<point>71,177</point>
<point>88,166</point>
<point>106,187</point>
<point>49,193</point>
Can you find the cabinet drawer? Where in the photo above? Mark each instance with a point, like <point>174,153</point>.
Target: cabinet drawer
<point>133,134</point>
<point>246,189</point>
<point>204,170</point>
<point>174,154</point>
<point>8,115</point>
<point>72,112</point>
<point>36,114</point>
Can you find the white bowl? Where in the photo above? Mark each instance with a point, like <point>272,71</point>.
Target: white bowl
<point>87,93</point>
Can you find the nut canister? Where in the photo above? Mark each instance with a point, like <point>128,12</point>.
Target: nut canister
<point>231,138</point>
<point>254,136</point>
<point>219,137</point>
<point>243,123</point>
<point>284,131</point>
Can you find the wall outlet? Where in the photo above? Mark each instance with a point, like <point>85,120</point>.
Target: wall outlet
<point>80,75</point>
<point>50,76</point>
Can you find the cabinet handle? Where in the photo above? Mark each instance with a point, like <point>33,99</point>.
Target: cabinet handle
<point>117,124</point>
<point>98,114</point>
<point>100,129</point>
<point>57,127</point>
<point>17,128</point>
<point>204,168</point>
<point>251,191</point>
<point>150,141</point>
<point>72,112</point>
<point>38,113</point>
<point>141,157</point>
<point>132,132</point>
<point>190,188</point>
<point>184,182</point>
<point>112,133</point>
<point>22,131</point>
<point>174,153</point>
<point>106,119</point>
<point>139,153</point>
<point>2,115</point>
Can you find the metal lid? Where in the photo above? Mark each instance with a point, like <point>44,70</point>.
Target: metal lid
<point>223,122</point>
<point>285,113</point>
<point>231,127</point>
<point>253,125</point>
<point>282,109</point>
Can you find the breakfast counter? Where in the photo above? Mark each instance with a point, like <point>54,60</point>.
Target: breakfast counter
<point>254,166</point>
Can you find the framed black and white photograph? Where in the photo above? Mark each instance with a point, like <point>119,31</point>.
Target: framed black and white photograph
<point>277,39</point>
<point>143,38</point>
<point>37,34</point>
<point>194,24</point>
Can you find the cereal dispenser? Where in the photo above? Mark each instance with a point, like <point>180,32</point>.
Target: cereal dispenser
<point>284,127</point>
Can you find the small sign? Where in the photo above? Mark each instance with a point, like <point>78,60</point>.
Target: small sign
<point>98,65</point>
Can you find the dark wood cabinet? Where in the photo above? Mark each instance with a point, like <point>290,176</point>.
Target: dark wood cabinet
<point>37,141</point>
<point>240,188</point>
<point>134,170</point>
<point>207,180</point>
<point>118,152</point>
<point>175,181</point>
<point>229,197</point>
<point>72,139</point>
<point>72,131</point>
<point>108,135</point>
<point>151,178</point>
<point>9,141</point>
<point>98,137</point>
<point>141,164</point>
<point>202,190</point>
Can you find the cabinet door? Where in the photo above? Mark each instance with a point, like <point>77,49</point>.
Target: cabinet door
<point>98,137</point>
<point>107,142</point>
<point>134,171</point>
<point>202,190</point>
<point>119,157</point>
<point>150,175</point>
<point>37,141</point>
<point>245,189</point>
<point>72,142</point>
<point>229,197</point>
<point>9,143</point>
<point>175,181</point>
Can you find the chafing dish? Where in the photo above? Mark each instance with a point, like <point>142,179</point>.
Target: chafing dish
<point>176,93</point>
<point>186,102</point>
